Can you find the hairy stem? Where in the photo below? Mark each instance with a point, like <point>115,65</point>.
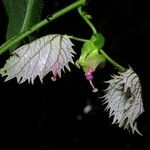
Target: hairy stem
<point>37,26</point>
<point>119,67</point>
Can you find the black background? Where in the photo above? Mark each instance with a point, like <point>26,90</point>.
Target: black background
<point>50,116</point>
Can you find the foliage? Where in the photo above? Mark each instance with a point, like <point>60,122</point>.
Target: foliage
<point>48,53</point>
<point>22,15</point>
<point>53,52</point>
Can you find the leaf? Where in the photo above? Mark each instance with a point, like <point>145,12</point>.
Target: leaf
<point>22,15</point>
<point>124,100</point>
<point>48,53</point>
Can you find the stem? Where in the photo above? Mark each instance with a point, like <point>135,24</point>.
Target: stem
<point>119,67</point>
<point>37,26</point>
<point>86,19</point>
<point>78,39</point>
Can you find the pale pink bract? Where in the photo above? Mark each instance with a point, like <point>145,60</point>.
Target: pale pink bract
<point>124,100</point>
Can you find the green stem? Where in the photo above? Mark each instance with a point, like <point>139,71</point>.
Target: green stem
<point>37,26</point>
<point>86,18</point>
<point>78,39</point>
<point>119,67</point>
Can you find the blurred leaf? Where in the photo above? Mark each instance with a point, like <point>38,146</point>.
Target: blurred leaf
<point>22,14</point>
<point>48,53</point>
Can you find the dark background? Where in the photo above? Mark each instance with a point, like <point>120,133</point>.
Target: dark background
<point>50,116</point>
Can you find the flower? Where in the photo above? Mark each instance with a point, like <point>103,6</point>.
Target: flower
<point>89,65</point>
<point>124,100</point>
<point>89,77</point>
